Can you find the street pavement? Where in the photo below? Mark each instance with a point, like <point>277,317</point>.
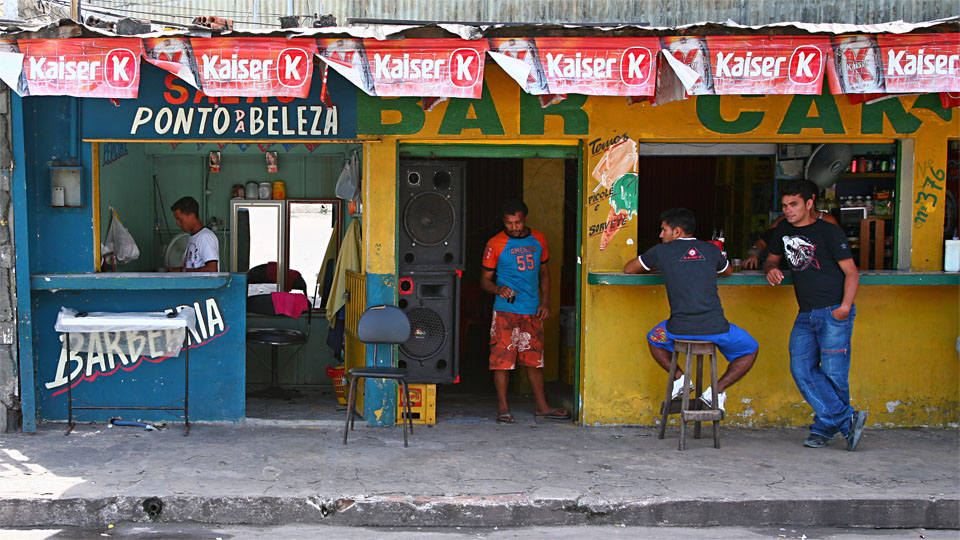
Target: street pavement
<point>170,531</point>
<point>535,473</point>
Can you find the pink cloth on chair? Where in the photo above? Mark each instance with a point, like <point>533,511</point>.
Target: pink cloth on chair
<point>290,304</point>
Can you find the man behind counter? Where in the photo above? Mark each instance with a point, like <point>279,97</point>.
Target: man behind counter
<point>203,250</point>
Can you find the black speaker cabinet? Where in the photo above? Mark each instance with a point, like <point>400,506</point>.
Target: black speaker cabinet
<point>431,217</point>
<point>431,301</point>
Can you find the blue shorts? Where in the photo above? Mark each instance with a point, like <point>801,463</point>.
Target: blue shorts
<point>733,343</point>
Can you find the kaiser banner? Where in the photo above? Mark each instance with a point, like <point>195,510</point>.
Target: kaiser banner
<point>104,68</point>
<point>238,67</point>
<point>422,68</point>
<point>921,63</point>
<point>889,64</point>
<point>753,65</point>
<point>592,66</point>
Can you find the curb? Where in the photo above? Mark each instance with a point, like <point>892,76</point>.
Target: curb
<point>502,511</point>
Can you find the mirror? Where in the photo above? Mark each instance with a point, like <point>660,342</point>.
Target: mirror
<point>257,236</point>
<point>313,226</point>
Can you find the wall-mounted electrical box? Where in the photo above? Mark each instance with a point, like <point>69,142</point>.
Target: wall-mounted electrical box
<point>66,187</point>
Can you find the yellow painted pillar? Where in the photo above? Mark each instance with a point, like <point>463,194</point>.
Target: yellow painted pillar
<point>378,253</point>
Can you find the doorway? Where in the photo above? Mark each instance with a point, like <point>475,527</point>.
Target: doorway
<point>549,187</point>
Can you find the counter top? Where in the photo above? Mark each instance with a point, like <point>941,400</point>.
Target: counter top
<point>130,281</point>
<point>756,277</point>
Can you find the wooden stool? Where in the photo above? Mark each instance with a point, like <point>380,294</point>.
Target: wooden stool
<point>692,412</point>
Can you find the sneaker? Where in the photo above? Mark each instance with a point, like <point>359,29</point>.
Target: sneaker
<point>815,440</point>
<point>678,388</point>
<point>707,398</point>
<point>857,421</point>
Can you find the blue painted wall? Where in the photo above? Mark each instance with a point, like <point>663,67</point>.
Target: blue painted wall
<point>217,357</point>
<point>62,239</point>
<point>380,394</point>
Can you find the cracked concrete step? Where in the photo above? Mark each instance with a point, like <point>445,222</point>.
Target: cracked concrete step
<point>504,511</point>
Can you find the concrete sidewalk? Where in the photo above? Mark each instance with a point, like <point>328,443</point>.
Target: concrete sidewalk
<point>483,474</point>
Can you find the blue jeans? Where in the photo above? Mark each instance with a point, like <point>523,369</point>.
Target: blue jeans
<point>820,364</point>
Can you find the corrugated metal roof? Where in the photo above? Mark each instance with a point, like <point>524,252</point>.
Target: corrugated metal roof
<point>263,14</point>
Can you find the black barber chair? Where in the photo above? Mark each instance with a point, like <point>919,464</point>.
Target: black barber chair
<point>277,337</point>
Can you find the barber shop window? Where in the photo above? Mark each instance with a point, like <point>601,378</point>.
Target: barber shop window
<point>282,244</point>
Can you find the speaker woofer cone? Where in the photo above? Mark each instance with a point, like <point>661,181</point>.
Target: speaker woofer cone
<point>429,218</point>
<point>428,333</point>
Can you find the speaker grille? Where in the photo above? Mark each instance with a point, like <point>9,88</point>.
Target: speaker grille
<point>427,334</point>
<point>429,218</point>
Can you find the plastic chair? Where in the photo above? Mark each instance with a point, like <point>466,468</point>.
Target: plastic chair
<point>381,325</point>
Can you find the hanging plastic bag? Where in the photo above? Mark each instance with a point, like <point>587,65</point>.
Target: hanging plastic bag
<point>348,184</point>
<point>119,241</point>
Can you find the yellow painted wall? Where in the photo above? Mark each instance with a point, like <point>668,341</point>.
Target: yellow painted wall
<point>904,340</point>
<point>904,368</point>
<point>543,193</point>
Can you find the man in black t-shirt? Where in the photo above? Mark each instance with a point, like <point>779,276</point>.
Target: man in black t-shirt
<point>690,268</point>
<point>825,281</point>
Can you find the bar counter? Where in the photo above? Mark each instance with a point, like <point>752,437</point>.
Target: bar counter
<point>756,277</point>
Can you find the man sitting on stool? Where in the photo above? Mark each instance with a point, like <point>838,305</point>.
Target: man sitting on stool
<point>690,268</point>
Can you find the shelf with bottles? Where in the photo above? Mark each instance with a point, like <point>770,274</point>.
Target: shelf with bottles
<point>870,175</point>
<point>872,164</point>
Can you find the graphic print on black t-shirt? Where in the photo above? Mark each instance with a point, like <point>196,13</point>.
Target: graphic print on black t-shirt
<point>812,252</point>
<point>692,255</point>
<point>801,252</point>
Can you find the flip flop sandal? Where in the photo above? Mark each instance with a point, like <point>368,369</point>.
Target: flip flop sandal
<point>555,414</point>
<point>505,418</point>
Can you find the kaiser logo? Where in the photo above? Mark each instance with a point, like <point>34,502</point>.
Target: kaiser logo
<point>293,67</point>
<point>465,66</point>
<point>121,68</point>
<point>806,65</point>
<point>635,66</point>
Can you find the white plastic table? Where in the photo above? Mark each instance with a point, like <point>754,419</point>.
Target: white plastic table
<point>72,322</point>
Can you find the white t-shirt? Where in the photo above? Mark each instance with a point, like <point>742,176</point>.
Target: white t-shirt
<point>202,248</point>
